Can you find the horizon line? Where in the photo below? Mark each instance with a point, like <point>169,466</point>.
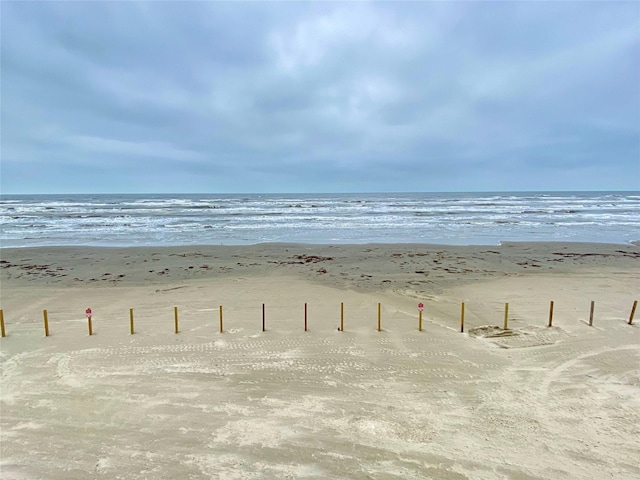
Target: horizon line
<point>2,194</point>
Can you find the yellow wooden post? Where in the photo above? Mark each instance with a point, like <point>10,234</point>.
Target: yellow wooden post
<point>305,316</point>
<point>90,325</point>
<point>593,305</point>
<point>46,323</point>
<point>551,313</point>
<point>379,326</point>
<point>462,318</point>
<point>175,317</point>
<point>420,321</point>
<point>2,323</point>
<point>342,316</point>
<point>506,316</point>
<point>131,320</point>
<point>221,329</point>
<point>633,311</point>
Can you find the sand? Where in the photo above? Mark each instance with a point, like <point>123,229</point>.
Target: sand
<point>529,402</point>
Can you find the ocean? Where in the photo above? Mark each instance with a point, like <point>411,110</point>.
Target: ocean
<point>245,219</point>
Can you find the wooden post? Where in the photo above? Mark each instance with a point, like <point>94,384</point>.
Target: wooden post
<point>46,323</point>
<point>551,313</point>
<point>420,321</point>
<point>4,334</point>
<point>342,316</point>
<point>633,311</point>
<point>90,326</point>
<point>462,318</point>
<point>221,330</point>
<point>305,317</point>
<point>131,320</point>
<point>175,318</point>
<point>506,316</point>
<point>263,319</point>
<point>593,305</point>
<point>379,326</point>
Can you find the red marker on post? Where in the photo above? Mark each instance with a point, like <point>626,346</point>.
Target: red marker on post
<point>89,315</point>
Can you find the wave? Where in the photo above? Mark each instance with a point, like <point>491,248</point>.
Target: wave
<point>242,219</point>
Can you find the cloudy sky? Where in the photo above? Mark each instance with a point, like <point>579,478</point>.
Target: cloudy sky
<point>319,97</point>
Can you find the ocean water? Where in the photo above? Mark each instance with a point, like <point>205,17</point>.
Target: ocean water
<point>210,219</point>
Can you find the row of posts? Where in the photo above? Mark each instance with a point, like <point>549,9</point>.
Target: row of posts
<point>550,324</point>
<point>340,328</point>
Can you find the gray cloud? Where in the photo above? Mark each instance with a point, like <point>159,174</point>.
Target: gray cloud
<point>261,96</point>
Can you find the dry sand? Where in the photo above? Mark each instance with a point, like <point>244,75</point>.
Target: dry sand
<point>532,402</point>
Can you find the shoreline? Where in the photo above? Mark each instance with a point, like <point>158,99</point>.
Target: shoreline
<point>310,244</point>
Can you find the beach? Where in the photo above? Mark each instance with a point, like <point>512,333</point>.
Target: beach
<point>238,367</point>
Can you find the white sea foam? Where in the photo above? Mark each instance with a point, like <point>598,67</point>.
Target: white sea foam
<point>448,218</point>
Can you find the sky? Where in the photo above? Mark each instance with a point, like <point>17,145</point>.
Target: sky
<point>277,97</point>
